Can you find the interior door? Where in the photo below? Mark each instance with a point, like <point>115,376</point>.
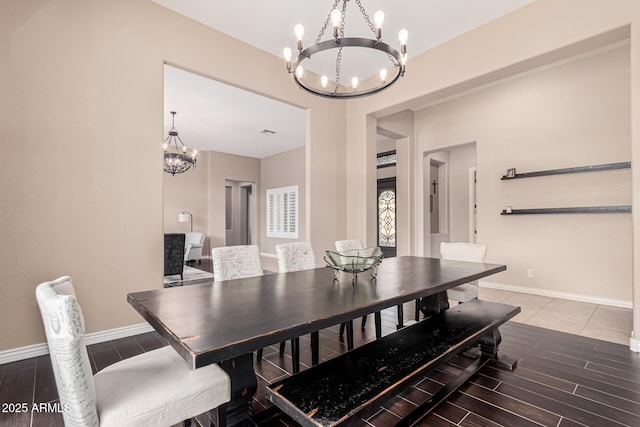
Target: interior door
<point>387,216</point>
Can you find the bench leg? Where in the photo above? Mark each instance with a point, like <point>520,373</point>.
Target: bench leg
<point>341,333</point>
<point>378,319</point>
<point>315,348</point>
<point>489,348</point>
<point>282,344</point>
<point>364,321</point>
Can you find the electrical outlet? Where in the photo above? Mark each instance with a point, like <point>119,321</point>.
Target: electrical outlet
<point>529,272</point>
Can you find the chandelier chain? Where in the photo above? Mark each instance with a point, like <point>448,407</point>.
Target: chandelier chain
<point>338,61</point>
<point>326,23</point>
<point>344,18</point>
<point>366,17</point>
<point>339,55</point>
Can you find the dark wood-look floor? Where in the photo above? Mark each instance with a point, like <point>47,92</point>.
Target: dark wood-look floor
<point>562,380</point>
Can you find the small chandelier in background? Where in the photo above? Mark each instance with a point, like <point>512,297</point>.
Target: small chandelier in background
<point>179,160</point>
<point>321,87</point>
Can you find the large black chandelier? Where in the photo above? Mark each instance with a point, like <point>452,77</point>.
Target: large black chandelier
<point>177,159</point>
<point>388,73</point>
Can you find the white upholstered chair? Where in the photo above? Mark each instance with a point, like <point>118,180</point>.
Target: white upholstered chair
<point>236,262</point>
<point>460,251</point>
<point>156,388</point>
<point>295,256</point>
<point>193,244</point>
<point>298,256</point>
<point>348,245</point>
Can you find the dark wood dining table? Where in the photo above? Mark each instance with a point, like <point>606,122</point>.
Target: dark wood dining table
<point>224,322</point>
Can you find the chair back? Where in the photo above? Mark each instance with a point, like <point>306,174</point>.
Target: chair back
<point>295,256</point>
<point>459,251</point>
<point>64,328</point>
<point>236,262</point>
<point>173,253</point>
<point>194,238</point>
<point>348,245</point>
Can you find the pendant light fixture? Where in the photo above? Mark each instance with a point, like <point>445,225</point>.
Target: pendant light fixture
<point>355,87</point>
<point>177,159</point>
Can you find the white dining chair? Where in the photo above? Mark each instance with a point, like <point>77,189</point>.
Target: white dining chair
<point>239,262</point>
<point>348,245</point>
<point>460,251</point>
<point>296,256</point>
<point>156,388</point>
<point>236,262</point>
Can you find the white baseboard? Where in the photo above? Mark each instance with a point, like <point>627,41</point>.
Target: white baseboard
<point>634,344</point>
<point>557,294</point>
<point>35,350</point>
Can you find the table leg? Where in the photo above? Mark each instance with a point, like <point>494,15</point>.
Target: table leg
<point>434,304</point>
<point>295,354</point>
<point>315,348</point>
<point>243,387</point>
<point>349,325</point>
<point>400,310</point>
<point>378,319</point>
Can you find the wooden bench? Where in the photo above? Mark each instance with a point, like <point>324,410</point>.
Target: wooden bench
<point>350,387</point>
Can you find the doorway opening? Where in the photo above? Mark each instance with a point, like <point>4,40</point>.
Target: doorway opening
<point>387,222</point>
<point>239,212</point>
<point>435,195</point>
<point>450,197</point>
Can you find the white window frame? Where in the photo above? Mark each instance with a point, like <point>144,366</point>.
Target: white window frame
<point>282,212</point>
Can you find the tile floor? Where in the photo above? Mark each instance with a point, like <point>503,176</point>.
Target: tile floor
<point>589,320</point>
<point>603,322</point>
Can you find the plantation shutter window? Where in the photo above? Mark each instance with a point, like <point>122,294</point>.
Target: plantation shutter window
<point>282,212</point>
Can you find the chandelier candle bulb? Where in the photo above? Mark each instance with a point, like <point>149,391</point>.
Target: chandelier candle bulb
<point>287,57</point>
<point>403,35</point>
<point>354,82</point>
<point>336,17</point>
<point>383,76</point>
<point>324,80</point>
<point>299,72</point>
<point>299,30</point>
<point>378,18</point>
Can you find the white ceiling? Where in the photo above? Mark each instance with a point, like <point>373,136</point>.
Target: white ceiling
<point>214,116</point>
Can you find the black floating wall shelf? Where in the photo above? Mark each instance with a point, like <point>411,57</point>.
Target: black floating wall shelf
<point>588,209</point>
<point>579,169</point>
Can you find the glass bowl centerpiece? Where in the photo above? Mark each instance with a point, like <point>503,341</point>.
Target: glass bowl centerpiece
<point>354,261</point>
